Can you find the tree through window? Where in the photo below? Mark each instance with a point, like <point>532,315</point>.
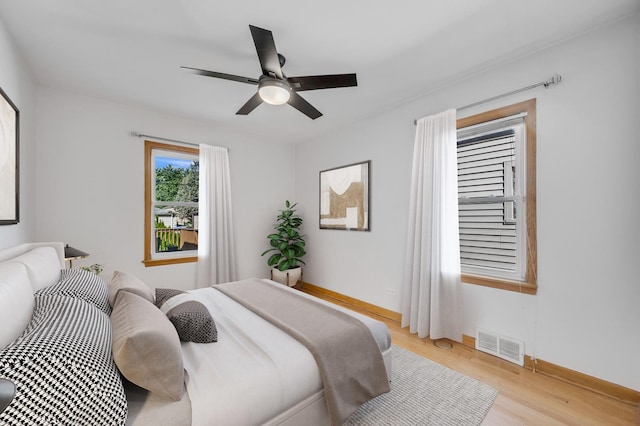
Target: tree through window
<point>171,203</point>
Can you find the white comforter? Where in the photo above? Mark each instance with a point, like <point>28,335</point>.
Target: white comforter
<point>254,372</point>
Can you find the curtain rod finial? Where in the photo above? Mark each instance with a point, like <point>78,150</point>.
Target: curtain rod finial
<point>135,134</point>
<point>555,79</point>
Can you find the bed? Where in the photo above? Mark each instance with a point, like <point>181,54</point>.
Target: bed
<point>67,330</point>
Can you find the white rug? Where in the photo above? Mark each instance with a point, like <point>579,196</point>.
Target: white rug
<point>426,393</point>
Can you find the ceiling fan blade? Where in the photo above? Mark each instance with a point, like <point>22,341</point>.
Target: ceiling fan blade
<point>222,75</point>
<point>267,53</point>
<point>315,82</point>
<point>250,105</point>
<point>299,103</point>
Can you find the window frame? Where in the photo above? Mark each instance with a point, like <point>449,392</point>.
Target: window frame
<point>529,284</point>
<point>168,258</point>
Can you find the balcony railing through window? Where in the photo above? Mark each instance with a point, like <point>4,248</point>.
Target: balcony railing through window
<point>176,239</point>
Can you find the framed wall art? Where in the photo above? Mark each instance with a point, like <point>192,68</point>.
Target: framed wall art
<point>344,197</point>
<point>9,166</point>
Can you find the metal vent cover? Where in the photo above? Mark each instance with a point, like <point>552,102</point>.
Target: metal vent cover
<point>503,347</point>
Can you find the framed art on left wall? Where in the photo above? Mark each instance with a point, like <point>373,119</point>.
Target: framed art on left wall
<point>9,166</point>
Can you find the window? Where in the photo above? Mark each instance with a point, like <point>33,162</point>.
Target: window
<point>171,204</point>
<point>497,197</point>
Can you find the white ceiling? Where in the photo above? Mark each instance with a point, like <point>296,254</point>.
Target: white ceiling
<point>130,51</point>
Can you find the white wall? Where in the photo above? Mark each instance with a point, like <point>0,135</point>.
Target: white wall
<point>585,315</point>
<point>16,81</point>
<point>90,187</point>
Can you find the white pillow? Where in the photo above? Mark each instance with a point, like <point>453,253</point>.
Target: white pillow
<point>16,302</point>
<point>43,266</point>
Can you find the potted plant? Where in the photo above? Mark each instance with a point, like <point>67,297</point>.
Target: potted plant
<point>96,268</point>
<point>288,247</point>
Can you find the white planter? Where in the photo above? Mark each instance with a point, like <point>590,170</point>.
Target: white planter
<point>290,277</point>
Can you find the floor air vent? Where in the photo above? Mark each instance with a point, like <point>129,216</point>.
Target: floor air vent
<point>500,346</point>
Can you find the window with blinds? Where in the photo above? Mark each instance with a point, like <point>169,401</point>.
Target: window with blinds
<point>491,198</point>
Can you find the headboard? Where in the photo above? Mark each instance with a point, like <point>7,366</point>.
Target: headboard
<point>11,252</point>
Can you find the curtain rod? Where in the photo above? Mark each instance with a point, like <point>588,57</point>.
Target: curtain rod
<point>140,135</point>
<point>554,79</point>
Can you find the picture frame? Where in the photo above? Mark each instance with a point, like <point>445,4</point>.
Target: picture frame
<point>345,197</point>
<point>9,161</point>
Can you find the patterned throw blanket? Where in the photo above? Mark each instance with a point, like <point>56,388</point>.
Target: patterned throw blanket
<point>350,362</point>
<point>62,363</point>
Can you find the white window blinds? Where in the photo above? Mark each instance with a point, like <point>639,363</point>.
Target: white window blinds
<point>490,178</point>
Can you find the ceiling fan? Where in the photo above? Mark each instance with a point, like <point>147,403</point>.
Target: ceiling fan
<point>273,86</point>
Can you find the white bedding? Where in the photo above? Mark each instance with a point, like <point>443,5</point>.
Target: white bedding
<point>255,371</point>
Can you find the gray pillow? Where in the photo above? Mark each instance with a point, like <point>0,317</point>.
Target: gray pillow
<point>193,322</point>
<point>127,282</point>
<point>146,347</point>
<point>164,294</point>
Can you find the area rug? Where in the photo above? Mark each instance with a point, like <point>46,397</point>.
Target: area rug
<point>424,392</point>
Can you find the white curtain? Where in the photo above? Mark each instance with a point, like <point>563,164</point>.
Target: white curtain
<point>431,301</point>
<point>216,246</point>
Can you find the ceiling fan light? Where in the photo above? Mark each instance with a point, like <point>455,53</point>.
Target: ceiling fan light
<point>274,92</point>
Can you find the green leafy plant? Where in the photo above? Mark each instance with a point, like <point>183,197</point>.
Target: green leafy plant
<point>96,268</point>
<point>287,242</point>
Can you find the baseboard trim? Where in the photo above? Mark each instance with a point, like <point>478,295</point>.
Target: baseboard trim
<point>377,310</point>
<point>574,377</point>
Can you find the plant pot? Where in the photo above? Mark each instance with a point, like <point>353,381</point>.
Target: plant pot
<point>290,277</point>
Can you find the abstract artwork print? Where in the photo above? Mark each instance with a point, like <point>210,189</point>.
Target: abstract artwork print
<point>344,197</point>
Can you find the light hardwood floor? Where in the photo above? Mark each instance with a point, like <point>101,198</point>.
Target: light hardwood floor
<point>525,397</point>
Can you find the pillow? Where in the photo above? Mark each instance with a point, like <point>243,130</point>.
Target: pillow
<point>80,284</point>
<point>191,318</point>
<point>164,294</point>
<point>16,301</point>
<point>193,322</point>
<point>127,282</point>
<point>146,347</point>
<point>43,266</point>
